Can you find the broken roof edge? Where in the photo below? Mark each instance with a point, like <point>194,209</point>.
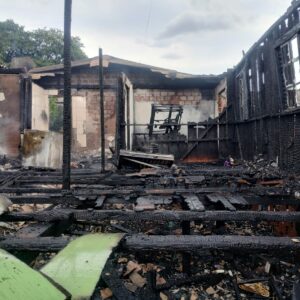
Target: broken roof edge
<point>107,60</point>
<point>294,5</point>
<point>11,71</point>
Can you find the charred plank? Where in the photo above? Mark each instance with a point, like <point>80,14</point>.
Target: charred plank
<point>195,243</point>
<point>194,203</point>
<point>40,244</point>
<point>189,243</point>
<point>163,215</point>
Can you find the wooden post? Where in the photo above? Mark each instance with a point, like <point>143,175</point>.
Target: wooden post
<point>67,123</point>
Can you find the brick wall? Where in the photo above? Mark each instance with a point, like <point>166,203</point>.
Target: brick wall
<point>93,119</point>
<point>198,105</point>
<point>10,97</point>
<point>178,97</point>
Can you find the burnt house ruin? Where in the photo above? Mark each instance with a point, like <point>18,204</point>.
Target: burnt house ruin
<point>131,90</point>
<point>196,229</point>
<point>258,96</point>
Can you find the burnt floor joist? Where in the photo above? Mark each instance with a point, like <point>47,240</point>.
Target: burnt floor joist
<point>159,215</point>
<point>194,243</point>
<point>82,198</point>
<point>82,180</point>
<point>102,190</point>
<point>163,243</point>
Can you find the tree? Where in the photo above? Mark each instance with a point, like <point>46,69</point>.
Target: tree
<point>45,46</point>
<point>14,41</point>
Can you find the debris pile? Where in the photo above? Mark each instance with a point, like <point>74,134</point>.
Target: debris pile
<point>262,169</point>
<point>215,275</point>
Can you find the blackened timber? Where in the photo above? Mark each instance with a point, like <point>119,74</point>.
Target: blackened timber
<point>118,107</point>
<point>53,215</point>
<point>115,283</point>
<point>141,190</point>
<point>11,179</point>
<point>118,180</point>
<point>236,199</point>
<point>40,244</point>
<point>29,190</point>
<point>35,230</point>
<point>160,215</point>
<point>215,198</point>
<point>59,199</point>
<point>140,242</point>
<point>195,243</point>
<point>67,122</point>
<point>192,216</point>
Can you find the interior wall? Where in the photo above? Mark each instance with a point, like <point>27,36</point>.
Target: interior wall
<point>79,120</point>
<point>40,108</point>
<point>197,105</point>
<point>10,97</point>
<point>86,120</point>
<point>221,97</point>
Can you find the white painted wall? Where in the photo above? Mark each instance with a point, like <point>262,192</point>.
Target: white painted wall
<point>198,113</point>
<point>79,119</point>
<point>40,108</point>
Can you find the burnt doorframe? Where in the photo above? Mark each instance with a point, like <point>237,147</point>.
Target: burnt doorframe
<point>124,114</point>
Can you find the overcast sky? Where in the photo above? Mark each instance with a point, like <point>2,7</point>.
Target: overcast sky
<point>193,36</point>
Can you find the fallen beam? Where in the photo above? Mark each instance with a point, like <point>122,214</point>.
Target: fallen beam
<point>59,199</point>
<point>104,190</point>
<point>40,244</point>
<point>159,215</point>
<point>163,243</point>
<point>192,243</point>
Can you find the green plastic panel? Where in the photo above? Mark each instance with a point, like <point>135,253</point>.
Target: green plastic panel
<point>20,282</point>
<point>77,268</point>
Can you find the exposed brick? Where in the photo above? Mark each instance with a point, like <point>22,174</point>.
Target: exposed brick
<point>183,98</point>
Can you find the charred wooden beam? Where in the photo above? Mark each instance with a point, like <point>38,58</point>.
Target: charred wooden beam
<point>29,190</point>
<point>171,243</point>
<point>67,122</point>
<point>161,215</point>
<point>38,199</point>
<point>53,215</point>
<point>139,187</point>
<point>194,243</point>
<point>40,244</point>
<point>8,180</point>
<point>35,230</point>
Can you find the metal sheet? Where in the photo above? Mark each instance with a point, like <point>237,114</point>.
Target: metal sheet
<point>19,282</point>
<point>86,255</point>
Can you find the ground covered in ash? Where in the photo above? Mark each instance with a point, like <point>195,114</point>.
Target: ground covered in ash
<point>212,274</point>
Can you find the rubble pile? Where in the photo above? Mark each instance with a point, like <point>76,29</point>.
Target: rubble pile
<point>262,169</point>
<point>215,275</point>
<point>8,163</point>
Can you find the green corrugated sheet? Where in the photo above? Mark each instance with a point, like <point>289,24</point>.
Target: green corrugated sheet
<point>77,268</point>
<point>20,282</point>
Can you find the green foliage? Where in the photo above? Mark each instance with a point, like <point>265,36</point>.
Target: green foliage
<point>56,114</point>
<point>45,46</point>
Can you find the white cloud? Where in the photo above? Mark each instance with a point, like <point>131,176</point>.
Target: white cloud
<point>195,36</point>
<point>190,22</point>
